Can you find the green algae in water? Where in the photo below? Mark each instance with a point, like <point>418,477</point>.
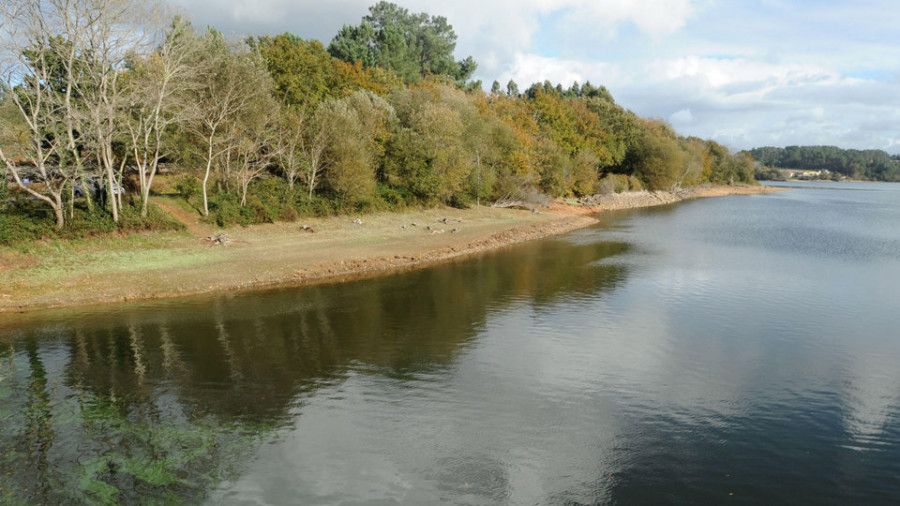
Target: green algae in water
<point>59,447</point>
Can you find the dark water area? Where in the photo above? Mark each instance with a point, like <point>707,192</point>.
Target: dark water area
<point>742,349</point>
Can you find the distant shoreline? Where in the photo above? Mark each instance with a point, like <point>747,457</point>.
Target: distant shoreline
<point>166,265</point>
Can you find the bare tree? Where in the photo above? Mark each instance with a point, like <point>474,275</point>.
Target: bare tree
<point>156,101</point>
<point>254,152</point>
<point>291,145</point>
<point>64,59</point>
<point>29,72</point>
<point>316,150</point>
<point>121,29</point>
<point>228,81</point>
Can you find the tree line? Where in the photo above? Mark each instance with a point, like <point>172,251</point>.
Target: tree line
<point>868,164</point>
<point>103,92</point>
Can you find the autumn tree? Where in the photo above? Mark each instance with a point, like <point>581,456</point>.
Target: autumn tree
<point>356,128</point>
<point>302,70</point>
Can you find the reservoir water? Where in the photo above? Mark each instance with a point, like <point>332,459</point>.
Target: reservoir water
<point>742,349</point>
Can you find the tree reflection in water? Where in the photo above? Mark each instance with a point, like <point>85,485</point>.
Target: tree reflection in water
<point>158,402</point>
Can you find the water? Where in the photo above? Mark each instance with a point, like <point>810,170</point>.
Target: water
<point>740,349</point>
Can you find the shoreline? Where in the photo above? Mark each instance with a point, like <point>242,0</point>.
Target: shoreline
<point>169,265</point>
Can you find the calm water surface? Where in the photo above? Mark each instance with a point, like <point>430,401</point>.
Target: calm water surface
<point>742,349</point>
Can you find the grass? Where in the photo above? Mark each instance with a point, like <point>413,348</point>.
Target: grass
<point>149,265</point>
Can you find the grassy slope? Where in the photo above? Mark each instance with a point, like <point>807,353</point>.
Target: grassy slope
<point>63,273</point>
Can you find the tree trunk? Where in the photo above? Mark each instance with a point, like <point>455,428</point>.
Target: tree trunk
<point>209,155</point>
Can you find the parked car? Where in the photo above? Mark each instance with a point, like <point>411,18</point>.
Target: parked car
<point>95,186</point>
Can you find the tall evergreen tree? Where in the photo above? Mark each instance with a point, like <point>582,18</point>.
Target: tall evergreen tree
<point>412,45</point>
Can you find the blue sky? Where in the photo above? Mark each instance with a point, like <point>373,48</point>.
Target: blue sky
<point>745,73</point>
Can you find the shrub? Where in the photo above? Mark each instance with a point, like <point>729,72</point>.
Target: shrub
<point>188,186</point>
<point>615,183</point>
<point>157,220</point>
<point>634,184</point>
<point>394,197</point>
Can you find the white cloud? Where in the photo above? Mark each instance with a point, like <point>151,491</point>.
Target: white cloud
<point>749,73</point>
<point>526,69</point>
<point>681,117</point>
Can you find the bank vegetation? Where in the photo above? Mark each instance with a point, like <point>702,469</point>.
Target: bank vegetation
<point>107,103</point>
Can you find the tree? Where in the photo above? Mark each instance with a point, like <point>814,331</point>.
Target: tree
<point>428,154</point>
<point>659,159</point>
<point>512,89</point>
<point>37,66</point>
<point>290,145</point>
<point>156,101</point>
<point>356,129</point>
<point>411,45</point>
<point>253,143</point>
<point>119,30</point>
<point>584,172</point>
<point>229,79</point>
<point>301,70</point>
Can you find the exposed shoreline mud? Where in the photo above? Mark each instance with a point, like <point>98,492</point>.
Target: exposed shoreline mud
<point>326,250</point>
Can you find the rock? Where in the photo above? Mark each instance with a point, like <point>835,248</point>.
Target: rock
<point>220,239</point>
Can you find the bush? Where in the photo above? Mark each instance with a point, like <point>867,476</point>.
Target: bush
<point>16,229</point>
<point>268,201</point>
<point>395,197</point>
<point>188,186</point>
<point>31,222</point>
<point>317,206</point>
<point>635,184</point>
<point>225,209</point>
<point>614,183</point>
<point>157,220</point>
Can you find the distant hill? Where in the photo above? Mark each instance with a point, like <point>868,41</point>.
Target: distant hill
<point>871,164</point>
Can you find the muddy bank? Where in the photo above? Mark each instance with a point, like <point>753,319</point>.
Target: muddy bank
<point>634,200</point>
<point>326,249</point>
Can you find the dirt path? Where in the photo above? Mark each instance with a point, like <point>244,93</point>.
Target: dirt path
<point>190,219</point>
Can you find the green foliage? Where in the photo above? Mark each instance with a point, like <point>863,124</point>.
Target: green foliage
<point>394,197</point>
<point>268,200</point>
<point>858,164</point>
<point>357,128</point>
<point>157,220</point>
<point>302,70</point>
<point>768,174</point>
<point>188,186</point>
<point>659,160</point>
<point>30,222</point>
<point>411,45</point>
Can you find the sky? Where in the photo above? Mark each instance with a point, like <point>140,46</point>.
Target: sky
<point>744,73</point>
